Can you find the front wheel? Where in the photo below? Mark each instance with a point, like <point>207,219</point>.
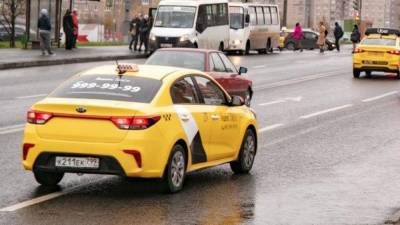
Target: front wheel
<point>290,46</point>
<point>175,172</point>
<point>247,153</point>
<point>48,178</point>
<point>356,73</point>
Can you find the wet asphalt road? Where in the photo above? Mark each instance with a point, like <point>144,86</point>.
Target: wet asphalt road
<point>328,154</point>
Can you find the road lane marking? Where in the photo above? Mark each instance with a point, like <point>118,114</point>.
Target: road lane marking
<point>265,129</point>
<point>290,99</point>
<point>326,111</point>
<point>380,96</point>
<point>12,129</point>
<point>259,67</point>
<point>47,197</point>
<point>299,80</point>
<point>31,96</point>
<point>272,103</point>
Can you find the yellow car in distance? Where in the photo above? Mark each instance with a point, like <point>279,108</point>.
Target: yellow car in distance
<point>378,51</point>
<point>138,121</point>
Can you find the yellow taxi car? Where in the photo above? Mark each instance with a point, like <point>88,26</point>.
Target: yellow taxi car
<point>138,121</point>
<point>378,51</point>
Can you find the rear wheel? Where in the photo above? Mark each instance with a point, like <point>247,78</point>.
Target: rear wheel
<point>175,172</point>
<point>356,73</point>
<point>48,178</point>
<point>290,46</point>
<point>247,154</point>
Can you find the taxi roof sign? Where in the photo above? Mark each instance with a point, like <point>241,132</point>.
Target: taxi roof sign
<point>382,31</point>
<point>124,68</point>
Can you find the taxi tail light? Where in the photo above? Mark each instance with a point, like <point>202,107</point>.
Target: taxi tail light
<point>394,52</point>
<point>135,123</point>
<point>136,155</point>
<point>36,117</point>
<point>25,150</point>
<point>359,50</point>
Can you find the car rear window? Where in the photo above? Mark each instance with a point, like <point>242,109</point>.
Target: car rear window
<point>109,87</point>
<point>379,41</point>
<point>189,60</point>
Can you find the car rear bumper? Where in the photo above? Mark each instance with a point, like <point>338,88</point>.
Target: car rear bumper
<point>113,159</point>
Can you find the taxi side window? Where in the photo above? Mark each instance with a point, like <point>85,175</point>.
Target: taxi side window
<point>211,93</point>
<point>184,92</point>
<point>218,65</point>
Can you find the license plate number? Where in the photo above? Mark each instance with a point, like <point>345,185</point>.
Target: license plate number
<point>78,162</point>
<point>166,45</point>
<point>375,62</point>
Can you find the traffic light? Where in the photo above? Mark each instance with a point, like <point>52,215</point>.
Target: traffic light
<point>356,4</point>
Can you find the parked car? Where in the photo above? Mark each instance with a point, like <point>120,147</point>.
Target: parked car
<point>213,62</point>
<point>5,36</point>
<point>308,42</point>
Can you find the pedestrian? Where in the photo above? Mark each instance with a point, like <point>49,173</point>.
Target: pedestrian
<point>134,31</point>
<point>44,27</point>
<point>298,36</point>
<point>338,32</point>
<point>355,37</point>
<point>144,33</point>
<point>68,28</point>
<point>75,23</point>
<point>322,37</point>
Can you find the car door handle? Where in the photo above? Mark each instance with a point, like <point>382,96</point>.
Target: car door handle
<point>215,117</point>
<point>185,118</point>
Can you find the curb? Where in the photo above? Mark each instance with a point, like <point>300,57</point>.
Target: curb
<point>52,62</point>
<point>394,219</point>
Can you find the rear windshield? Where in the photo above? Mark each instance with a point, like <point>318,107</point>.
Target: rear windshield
<point>188,60</point>
<point>106,87</point>
<point>378,41</point>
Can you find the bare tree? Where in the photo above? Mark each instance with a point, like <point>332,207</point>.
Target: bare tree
<point>9,11</point>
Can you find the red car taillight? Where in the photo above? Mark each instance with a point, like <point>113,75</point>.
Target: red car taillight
<point>25,150</point>
<point>359,50</point>
<point>394,52</point>
<point>135,123</point>
<point>36,117</point>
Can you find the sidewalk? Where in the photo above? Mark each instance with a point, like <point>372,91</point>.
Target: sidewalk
<point>18,58</point>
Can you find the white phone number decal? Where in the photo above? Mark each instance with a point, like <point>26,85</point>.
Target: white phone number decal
<point>108,86</point>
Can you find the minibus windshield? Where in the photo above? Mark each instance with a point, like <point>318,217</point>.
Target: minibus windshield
<point>236,17</point>
<point>175,16</point>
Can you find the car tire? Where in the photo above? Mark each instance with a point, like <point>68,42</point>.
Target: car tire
<point>398,75</point>
<point>175,172</point>
<point>356,73</point>
<point>49,179</point>
<point>247,51</point>
<point>221,47</point>
<point>247,97</point>
<point>290,46</point>
<point>247,153</point>
<point>368,74</point>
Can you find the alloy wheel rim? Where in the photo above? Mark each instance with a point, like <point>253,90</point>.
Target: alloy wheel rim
<point>249,152</point>
<point>177,169</point>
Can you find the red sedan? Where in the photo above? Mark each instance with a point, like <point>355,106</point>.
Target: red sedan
<point>212,62</point>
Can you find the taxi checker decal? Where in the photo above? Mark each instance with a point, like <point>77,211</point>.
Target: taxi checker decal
<point>192,133</point>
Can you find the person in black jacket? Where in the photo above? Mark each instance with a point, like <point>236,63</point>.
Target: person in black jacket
<point>44,27</point>
<point>338,32</point>
<point>134,31</point>
<point>144,29</point>
<point>355,37</point>
<point>68,28</point>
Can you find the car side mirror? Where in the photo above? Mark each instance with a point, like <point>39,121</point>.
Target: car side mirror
<point>242,70</point>
<point>237,101</point>
<point>247,19</point>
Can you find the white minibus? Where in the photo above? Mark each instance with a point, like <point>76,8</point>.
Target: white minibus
<point>253,26</point>
<point>191,23</point>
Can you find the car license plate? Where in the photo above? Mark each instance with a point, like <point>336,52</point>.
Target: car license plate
<point>78,162</point>
<point>163,45</point>
<point>375,62</point>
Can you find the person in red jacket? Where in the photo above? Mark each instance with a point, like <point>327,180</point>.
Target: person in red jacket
<point>75,22</point>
